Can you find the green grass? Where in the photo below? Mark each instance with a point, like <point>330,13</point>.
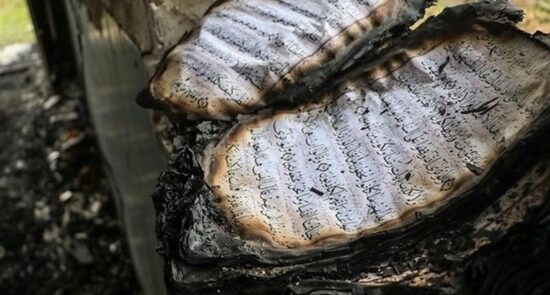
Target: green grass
<point>15,22</point>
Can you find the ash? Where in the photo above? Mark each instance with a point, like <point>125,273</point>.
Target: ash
<point>59,231</point>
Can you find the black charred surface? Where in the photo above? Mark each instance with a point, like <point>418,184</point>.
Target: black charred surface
<point>52,30</point>
<point>202,255</point>
<point>517,264</point>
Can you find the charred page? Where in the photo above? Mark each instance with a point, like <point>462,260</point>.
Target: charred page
<point>245,53</point>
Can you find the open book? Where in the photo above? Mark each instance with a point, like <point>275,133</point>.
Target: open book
<point>395,140</point>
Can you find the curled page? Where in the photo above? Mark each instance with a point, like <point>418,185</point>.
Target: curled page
<point>246,52</point>
<point>413,132</point>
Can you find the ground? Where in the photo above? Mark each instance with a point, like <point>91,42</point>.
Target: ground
<point>58,222</point>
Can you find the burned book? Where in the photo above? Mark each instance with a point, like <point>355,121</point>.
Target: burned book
<point>412,143</point>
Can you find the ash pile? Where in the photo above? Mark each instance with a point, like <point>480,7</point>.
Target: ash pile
<point>58,221</point>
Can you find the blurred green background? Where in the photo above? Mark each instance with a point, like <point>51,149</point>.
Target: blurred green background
<point>15,22</point>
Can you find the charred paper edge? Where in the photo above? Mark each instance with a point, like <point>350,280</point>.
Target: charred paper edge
<point>291,86</point>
